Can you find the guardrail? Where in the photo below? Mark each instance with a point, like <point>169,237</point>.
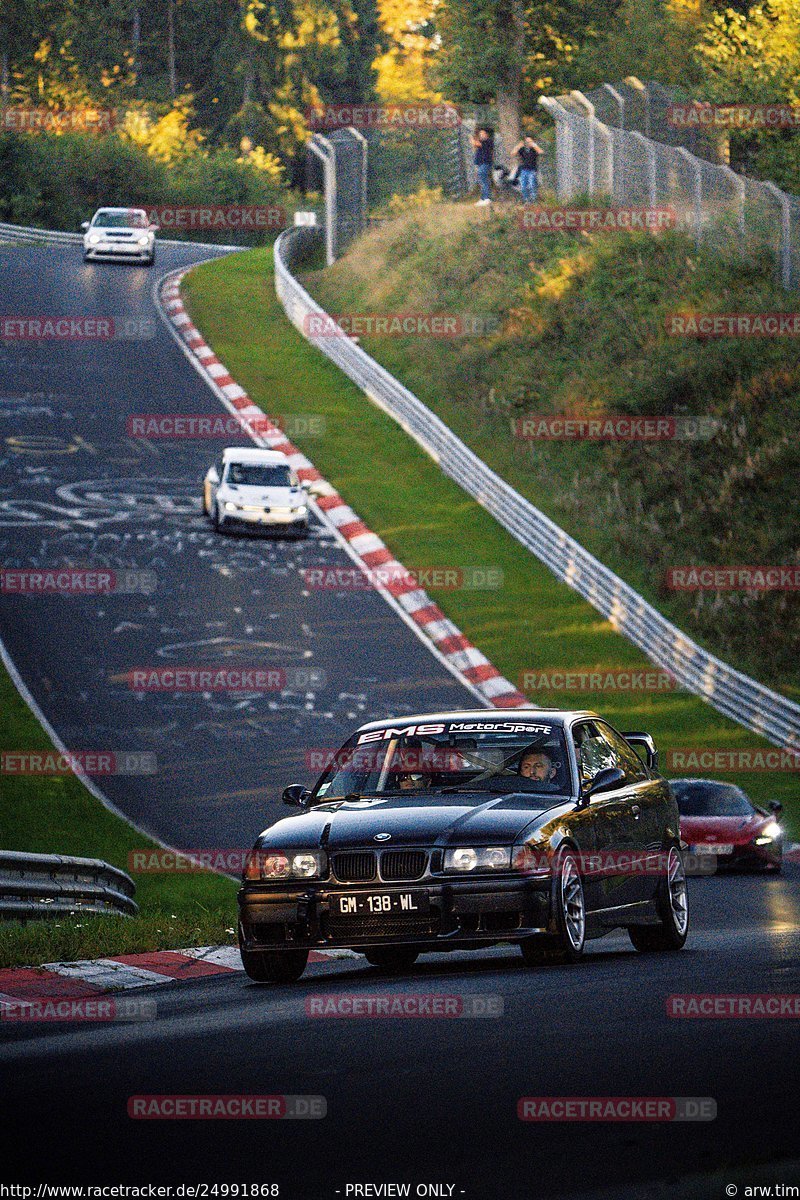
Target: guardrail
<point>30,233</point>
<point>731,692</point>
<point>33,886</point>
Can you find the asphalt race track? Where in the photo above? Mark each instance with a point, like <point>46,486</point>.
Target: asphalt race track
<point>426,1101</point>
<point>77,489</point>
<point>435,1100</point>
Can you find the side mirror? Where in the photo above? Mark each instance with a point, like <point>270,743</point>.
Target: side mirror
<point>154,228</point>
<point>314,487</point>
<point>775,806</point>
<point>604,781</point>
<point>644,741</point>
<point>84,225</point>
<point>296,795</point>
<point>213,475</point>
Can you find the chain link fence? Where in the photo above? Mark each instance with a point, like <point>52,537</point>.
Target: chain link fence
<point>730,213</point>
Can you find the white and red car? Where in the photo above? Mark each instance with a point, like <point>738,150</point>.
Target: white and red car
<point>718,819</point>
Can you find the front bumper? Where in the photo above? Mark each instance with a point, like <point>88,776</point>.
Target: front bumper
<point>126,250</point>
<point>267,518</point>
<point>746,856</point>
<point>461,912</point>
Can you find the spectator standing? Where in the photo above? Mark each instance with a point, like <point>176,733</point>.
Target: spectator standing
<point>528,152</point>
<point>483,144</point>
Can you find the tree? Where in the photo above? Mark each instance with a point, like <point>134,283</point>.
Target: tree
<point>483,58</point>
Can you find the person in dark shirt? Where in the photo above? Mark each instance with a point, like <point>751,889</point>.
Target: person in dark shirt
<point>483,144</point>
<point>527,151</point>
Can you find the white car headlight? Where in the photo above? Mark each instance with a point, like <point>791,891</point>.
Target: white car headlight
<point>467,858</point>
<point>301,510</point>
<point>230,506</point>
<point>144,241</point>
<point>93,239</point>
<point>769,833</point>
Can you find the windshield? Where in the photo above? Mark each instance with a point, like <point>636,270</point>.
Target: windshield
<point>259,475</point>
<point>120,220</point>
<point>710,799</point>
<point>450,756</point>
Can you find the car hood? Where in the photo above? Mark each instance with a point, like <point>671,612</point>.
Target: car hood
<point>127,229</point>
<point>721,829</point>
<point>242,493</point>
<point>414,821</point>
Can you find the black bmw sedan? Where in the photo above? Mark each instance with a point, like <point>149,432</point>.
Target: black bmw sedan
<point>458,830</point>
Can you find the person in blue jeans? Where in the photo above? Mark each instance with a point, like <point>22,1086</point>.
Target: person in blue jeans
<point>528,154</point>
<point>483,143</point>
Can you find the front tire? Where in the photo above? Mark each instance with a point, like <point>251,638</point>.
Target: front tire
<point>219,521</point>
<point>274,966</point>
<point>392,960</point>
<point>568,905</point>
<point>672,904</point>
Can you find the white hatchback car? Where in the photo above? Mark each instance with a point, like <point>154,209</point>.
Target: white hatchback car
<point>252,488</point>
<point>123,233</point>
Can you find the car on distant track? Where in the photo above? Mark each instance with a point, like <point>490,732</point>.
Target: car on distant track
<point>252,489</point>
<point>458,830</point>
<point>120,233</point>
<point>718,819</point>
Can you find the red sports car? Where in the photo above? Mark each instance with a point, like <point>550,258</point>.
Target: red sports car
<point>718,819</point>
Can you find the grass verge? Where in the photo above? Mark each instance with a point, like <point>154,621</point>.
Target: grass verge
<point>57,815</point>
<point>530,622</point>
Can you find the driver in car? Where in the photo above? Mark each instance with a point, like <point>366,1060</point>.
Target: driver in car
<point>538,766</point>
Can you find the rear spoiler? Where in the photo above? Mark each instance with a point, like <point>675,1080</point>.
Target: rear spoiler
<point>643,741</point>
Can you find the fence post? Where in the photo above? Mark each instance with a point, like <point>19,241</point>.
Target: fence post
<point>362,216</point>
<point>694,163</point>
<point>612,91</point>
<point>587,104</point>
<point>637,85</point>
<point>785,246</point>
<point>650,151</point>
<point>564,138</point>
<point>323,149</point>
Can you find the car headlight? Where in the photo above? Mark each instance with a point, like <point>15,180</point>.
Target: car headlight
<point>280,864</point>
<point>769,833</point>
<point>301,510</point>
<point>93,239</point>
<point>144,241</point>
<point>467,858</point>
<point>230,506</point>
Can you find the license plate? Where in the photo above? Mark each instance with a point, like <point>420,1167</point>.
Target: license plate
<point>376,904</point>
<point>714,848</point>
